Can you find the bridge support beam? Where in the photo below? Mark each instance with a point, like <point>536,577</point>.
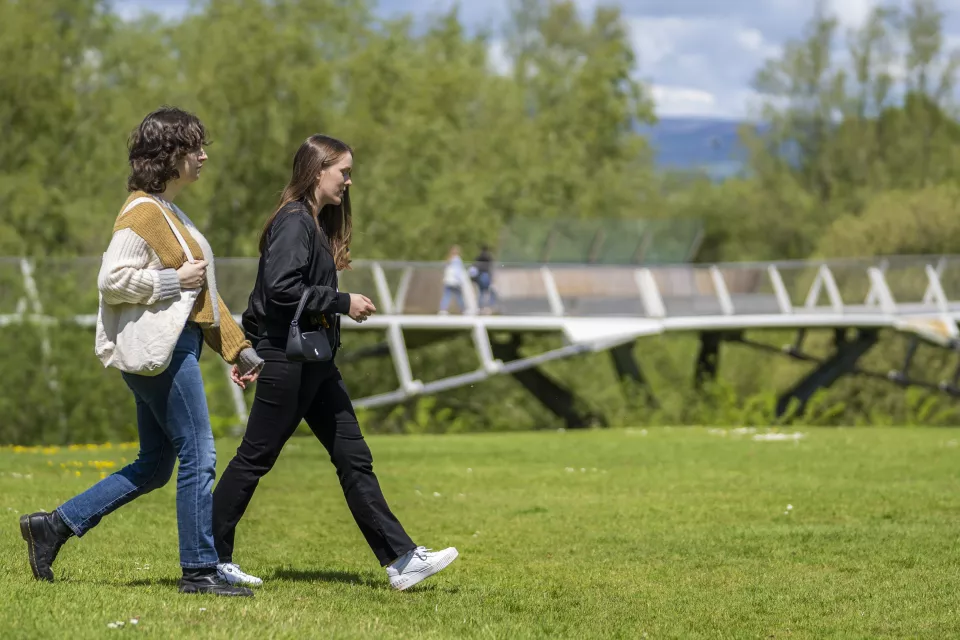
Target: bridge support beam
<point>902,377</point>
<point>844,360</point>
<point>554,396</point>
<point>953,386</point>
<point>708,360</point>
<point>628,371</point>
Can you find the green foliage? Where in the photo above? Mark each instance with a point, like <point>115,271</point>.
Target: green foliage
<point>446,148</point>
<point>858,156</point>
<point>899,222</point>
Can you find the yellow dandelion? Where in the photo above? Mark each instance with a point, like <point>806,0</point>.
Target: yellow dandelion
<point>103,474</point>
<point>76,473</point>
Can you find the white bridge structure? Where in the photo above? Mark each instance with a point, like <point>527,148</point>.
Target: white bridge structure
<point>599,308</point>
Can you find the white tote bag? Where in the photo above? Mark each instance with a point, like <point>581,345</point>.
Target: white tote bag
<point>138,338</point>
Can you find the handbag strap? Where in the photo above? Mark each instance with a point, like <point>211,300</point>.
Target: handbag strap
<point>176,232</point>
<point>303,303</point>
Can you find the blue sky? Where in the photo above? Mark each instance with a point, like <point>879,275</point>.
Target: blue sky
<point>697,56</point>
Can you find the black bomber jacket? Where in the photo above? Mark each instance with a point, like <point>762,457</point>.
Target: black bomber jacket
<point>295,258</point>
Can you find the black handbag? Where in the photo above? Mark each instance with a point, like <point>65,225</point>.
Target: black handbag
<point>307,346</point>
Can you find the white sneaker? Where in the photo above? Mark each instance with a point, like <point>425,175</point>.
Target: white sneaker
<point>415,565</point>
<point>231,574</point>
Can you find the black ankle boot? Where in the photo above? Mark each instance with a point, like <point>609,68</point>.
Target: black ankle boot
<point>206,581</point>
<point>44,533</point>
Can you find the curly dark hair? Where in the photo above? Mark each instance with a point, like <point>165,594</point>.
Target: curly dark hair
<point>158,144</point>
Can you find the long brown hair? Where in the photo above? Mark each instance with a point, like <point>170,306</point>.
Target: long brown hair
<point>318,152</point>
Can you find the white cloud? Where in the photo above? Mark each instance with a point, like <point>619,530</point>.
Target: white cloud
<point>656,38</point>
<point>691,102</point>
<point>852,13</point>
<point>699,65</point>
<point>683,101</point>
<point>750,39</point>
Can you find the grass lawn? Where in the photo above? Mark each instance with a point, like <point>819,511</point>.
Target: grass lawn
<point>626,533</point>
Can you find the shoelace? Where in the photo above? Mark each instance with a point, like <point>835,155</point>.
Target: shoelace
<point>422,552</point>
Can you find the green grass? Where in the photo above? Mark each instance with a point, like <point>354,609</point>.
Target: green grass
<point>671,533</point>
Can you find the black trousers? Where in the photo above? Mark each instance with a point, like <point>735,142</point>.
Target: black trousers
<point>286,393</point>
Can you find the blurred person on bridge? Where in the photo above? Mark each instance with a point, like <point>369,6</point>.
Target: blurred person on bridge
<point>481,272</point>
<point>454,279</point>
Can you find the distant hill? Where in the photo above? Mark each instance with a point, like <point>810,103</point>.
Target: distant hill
<point>707,144</point>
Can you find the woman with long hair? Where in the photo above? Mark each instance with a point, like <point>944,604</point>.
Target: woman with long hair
<point>302,246</point>
<point>158,305</point>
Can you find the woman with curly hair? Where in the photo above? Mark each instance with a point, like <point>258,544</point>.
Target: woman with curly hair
<point>158,305</point>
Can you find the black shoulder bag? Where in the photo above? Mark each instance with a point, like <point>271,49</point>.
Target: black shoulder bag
<point>308,346</point>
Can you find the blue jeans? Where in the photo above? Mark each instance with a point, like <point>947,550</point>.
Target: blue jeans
<point>487,297</point>
<point>173,422</point>
<point>454,292</point>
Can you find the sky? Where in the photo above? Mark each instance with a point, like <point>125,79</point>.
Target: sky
<point>697,56</point>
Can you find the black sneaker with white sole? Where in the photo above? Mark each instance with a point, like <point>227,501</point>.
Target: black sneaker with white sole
<point>206,581</point>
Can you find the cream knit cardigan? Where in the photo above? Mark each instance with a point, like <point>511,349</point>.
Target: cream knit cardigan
<point>132,273</point>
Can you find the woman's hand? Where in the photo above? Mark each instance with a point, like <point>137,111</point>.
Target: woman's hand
<point>192,274</point>
<point>361,307</point>
<point>243,380</point>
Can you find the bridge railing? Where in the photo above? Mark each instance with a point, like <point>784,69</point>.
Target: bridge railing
<point>898,284</point>
<point>910,283</point>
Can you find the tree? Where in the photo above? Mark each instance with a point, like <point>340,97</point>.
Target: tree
<point>47,53</point>
<point>260,95</point>
<point>908,222</point>
<point>841,133</point>
<point>581,92</point>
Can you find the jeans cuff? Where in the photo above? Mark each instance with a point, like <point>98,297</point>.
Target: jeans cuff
<point>198,565</point>
<point>77,531</point>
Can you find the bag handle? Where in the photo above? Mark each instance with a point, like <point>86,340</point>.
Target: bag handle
<point>176,232</point>
<point>303,303</point>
